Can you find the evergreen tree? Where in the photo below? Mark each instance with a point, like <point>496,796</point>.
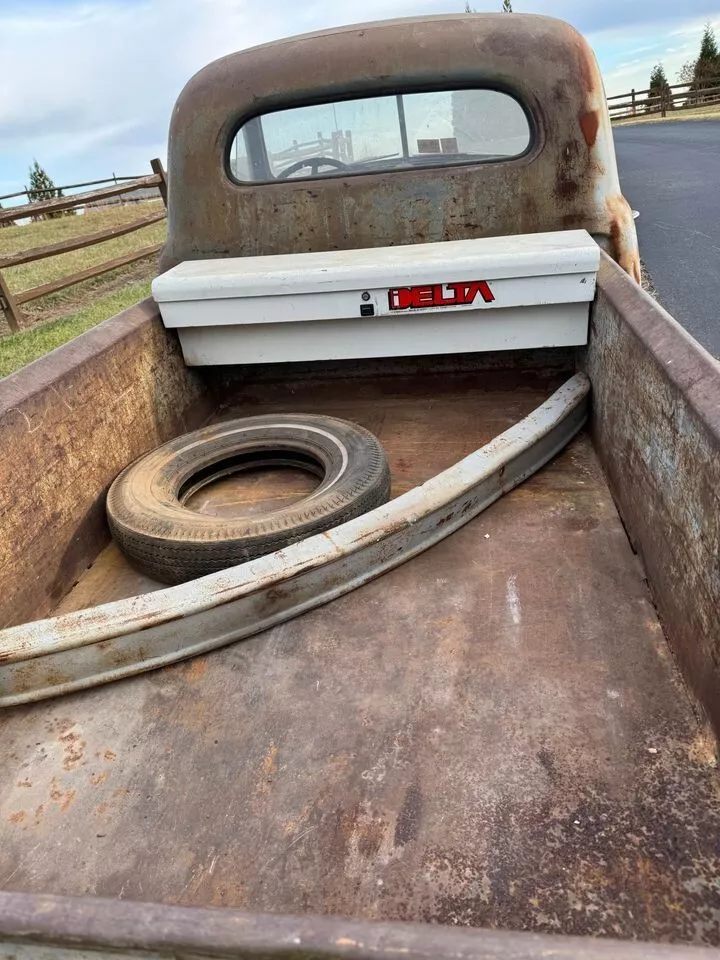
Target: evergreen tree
<point>42,188</point>
<point>659,95</point>
<point>707,66</point>
<point>41,185</point>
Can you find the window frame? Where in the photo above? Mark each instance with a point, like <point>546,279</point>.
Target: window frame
<point>350,96</point>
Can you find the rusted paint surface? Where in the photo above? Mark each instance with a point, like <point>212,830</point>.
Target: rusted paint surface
<point>493,734</point>
<point>94,927</point>
<point>656,423</point>
<point>68,424</point>
<point>622,235</point>
<point>589,124</point>
<point>569,174</point>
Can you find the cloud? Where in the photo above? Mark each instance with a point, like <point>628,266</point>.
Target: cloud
<point>589,16</point>
<point>89,85</point>
<point>617,51</point>
<point>76,77</point>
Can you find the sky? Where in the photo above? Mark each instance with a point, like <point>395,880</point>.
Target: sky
<point>87,86</point>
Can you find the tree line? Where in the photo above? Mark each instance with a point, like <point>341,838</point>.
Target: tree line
<point>699,74</point>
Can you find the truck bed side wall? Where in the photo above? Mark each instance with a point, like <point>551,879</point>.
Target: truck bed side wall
<point>68,424</point>
<point>656,423</point>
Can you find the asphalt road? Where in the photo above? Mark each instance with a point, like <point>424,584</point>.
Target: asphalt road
<point>670,172</point>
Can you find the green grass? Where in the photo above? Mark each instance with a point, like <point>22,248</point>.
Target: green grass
<point>19,349</point>
<point>57,318</point>
<point>19,238</point>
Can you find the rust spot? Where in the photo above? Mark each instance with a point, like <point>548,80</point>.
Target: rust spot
<point>74,749</point>
<point>196,670</point>
<point>268,769</point>
<point>109,755</point>
<point>623,243</point>
<point>24,783</point>
<point>63,798</point>
<point>269,765</point>
<point>369,836</point>
<point>97,778</point>
<point>292,825</point>
<point>704,750</point>
<point>19,817</point>
<point>361,835</point>
<point>229,894</point>
<point>589,124</point>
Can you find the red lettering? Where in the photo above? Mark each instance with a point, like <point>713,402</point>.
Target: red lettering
<point>434,295</point>
<point>479,287</point>
<point>458,290</point>
<point>440,299</point>
<point>424,296</point>
<point>400,298</point>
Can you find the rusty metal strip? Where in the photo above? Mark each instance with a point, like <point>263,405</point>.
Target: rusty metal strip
<point>89,647</point>
<point>38,926</point>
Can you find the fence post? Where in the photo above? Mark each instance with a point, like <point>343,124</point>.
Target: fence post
<point>9,308</point>
<point>632,92</point>
<point>158,168</point>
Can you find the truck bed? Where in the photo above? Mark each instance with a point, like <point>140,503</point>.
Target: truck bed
<point>493,734</point>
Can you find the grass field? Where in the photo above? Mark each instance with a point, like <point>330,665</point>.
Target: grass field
<point>52,320</point>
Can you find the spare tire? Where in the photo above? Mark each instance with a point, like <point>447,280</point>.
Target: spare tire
<point>172,543</point>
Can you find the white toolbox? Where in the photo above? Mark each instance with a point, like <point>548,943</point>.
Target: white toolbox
<point>500,293</point>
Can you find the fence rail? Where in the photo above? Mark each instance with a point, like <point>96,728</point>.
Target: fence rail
<point>77,243</point>
<point>10,303</point>
<point>27,192</point>
<point>642,102</point>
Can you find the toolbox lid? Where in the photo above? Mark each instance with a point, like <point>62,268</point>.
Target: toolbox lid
<point>488,258</point>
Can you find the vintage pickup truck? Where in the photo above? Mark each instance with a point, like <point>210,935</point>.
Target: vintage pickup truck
<point>448,731</point>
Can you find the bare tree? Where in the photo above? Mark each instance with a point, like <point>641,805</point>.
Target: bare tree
<point>686,72</point>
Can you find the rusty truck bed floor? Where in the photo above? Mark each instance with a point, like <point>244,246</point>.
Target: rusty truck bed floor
<point>493,734</point>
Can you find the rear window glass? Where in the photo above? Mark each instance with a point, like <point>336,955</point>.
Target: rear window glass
<point>380,133</point>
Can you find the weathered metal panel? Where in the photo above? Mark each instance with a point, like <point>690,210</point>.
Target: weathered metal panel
<point>68,424</point>
<point>66,928</point>
<point>656,424</point>
<point>568,179</point>
<point>78,650</point>
<point>493,734</point>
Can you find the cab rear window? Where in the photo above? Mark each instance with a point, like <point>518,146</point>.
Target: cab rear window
<point>376,134</point>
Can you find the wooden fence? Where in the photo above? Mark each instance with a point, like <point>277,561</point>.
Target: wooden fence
<point>678,96</point>
<point>10,303</point>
